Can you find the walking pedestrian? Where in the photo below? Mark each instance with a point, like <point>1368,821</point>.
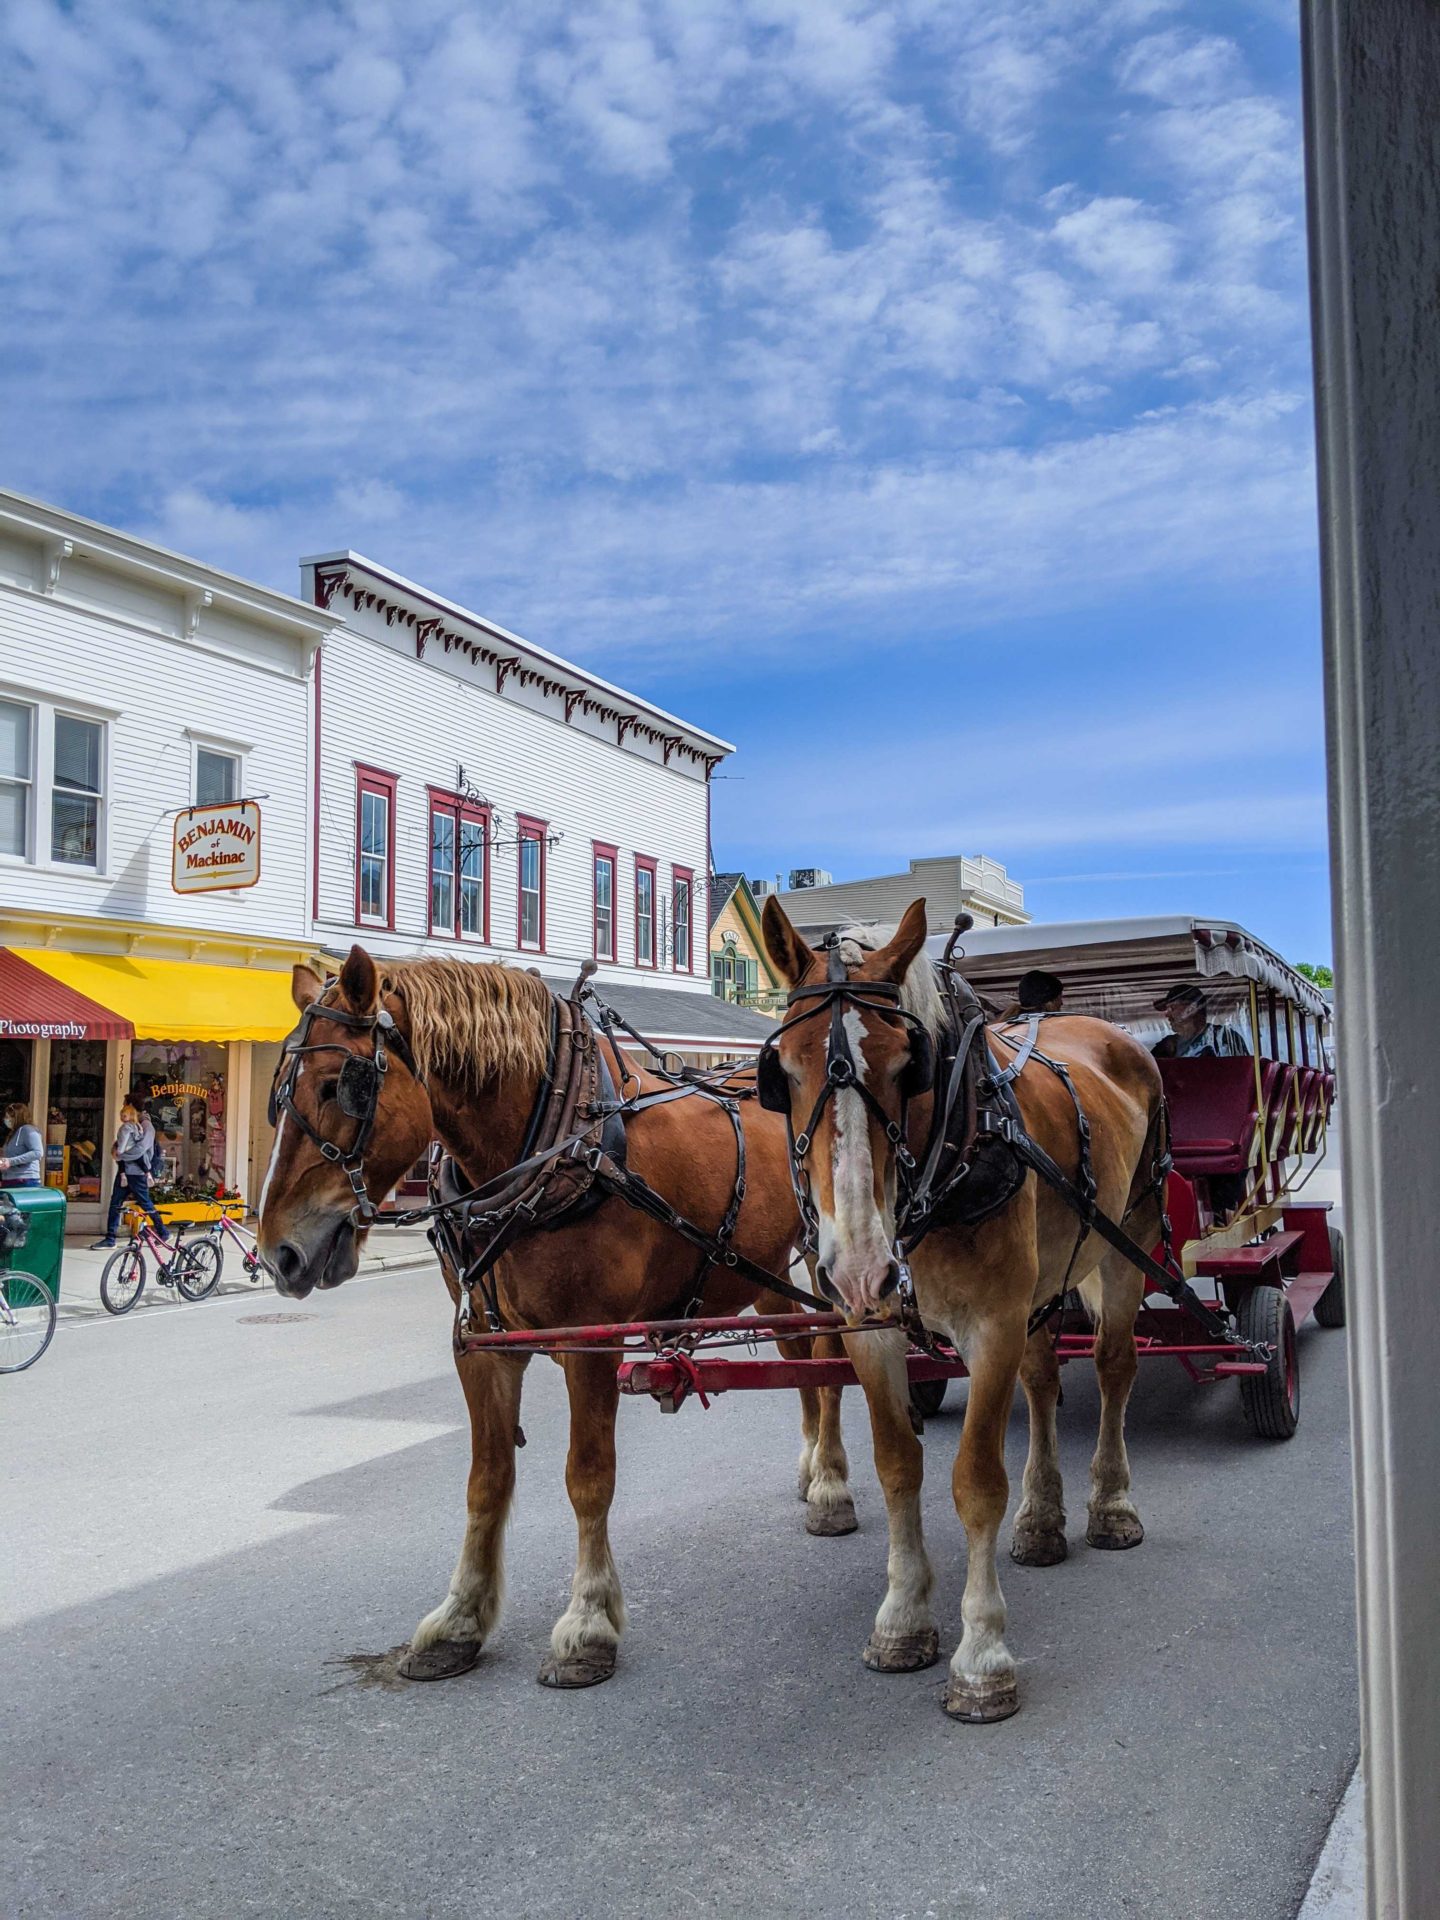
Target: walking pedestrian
<point>24,1155</point>
<point>133,1152</point>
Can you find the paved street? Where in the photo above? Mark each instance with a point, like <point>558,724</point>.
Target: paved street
<point>208,1511</point>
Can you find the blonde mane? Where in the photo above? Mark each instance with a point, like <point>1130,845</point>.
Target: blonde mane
<point>472,1021</point>
<point>918,992</point>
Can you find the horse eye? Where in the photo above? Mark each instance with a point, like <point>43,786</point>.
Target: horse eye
<point>328,1089</point>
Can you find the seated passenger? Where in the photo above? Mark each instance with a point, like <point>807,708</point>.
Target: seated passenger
<point>1036,992</point>
<point>1193,1034</point>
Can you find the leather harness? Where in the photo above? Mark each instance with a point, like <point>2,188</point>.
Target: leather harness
<point>574,1150</point>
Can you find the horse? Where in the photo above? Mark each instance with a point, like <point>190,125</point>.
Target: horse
<point>977,1285</point>
<point>463,1048</point>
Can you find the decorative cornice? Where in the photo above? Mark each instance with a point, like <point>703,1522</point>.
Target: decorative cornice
<point>364,591</point>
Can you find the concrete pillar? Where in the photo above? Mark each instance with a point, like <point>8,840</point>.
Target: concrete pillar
<point>1372,111</point>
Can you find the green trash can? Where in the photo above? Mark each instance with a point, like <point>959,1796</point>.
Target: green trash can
<point>44,1249</point>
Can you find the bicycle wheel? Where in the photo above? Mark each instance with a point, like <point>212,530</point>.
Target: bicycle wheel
<point>123,1280</point>
<point>197,1269</point>
<point>27,1320</point>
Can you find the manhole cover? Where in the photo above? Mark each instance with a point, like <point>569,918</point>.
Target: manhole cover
<point>274,1319</point>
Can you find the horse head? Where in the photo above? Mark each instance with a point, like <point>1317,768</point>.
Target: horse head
<point>855,1046</point>
<point>350,1115</point>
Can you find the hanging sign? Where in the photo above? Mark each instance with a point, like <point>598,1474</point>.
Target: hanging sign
<point>216,847</point>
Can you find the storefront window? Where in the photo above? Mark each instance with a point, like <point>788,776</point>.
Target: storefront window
<point>16,1057</point>
<point>182,1085</point>
<point>75,1147</point>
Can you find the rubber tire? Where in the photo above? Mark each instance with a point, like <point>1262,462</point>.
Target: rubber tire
<point>198,1272</point>
<point>36,1285</point>
<point>927,1396</point>
<point>113,1267</point>
<point>1271,1400</point>
<point>1330,1307</point>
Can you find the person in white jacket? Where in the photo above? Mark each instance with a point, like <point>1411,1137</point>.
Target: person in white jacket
<point>132,1152</point>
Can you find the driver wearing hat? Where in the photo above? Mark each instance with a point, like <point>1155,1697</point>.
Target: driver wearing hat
<point>1193,1034</point>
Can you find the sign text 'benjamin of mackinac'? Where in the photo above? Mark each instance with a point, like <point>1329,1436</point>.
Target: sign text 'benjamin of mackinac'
<point>216,847</point>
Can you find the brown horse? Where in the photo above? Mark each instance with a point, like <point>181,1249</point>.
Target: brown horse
<point>976,1285</point>
<point>473,1042</point>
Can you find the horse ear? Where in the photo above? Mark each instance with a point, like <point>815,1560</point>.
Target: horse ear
<point>789,952</point>
<point>359,982</point>
<point>306,986</point>
<point>893,961</point>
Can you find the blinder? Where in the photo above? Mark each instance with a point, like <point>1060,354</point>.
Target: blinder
<point>772,1083</point>
<point>359,1087</point>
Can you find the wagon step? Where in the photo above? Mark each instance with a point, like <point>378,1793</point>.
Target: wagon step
<point>1265,1261</point>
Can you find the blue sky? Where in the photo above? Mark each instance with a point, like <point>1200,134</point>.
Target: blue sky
<point>917,394</point>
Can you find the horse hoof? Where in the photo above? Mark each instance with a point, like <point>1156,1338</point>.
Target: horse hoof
<point>586,1667</point>
<point>901,1652</point>
<point>979,1702</point>
<point>1117,1532</point>
<point>441,1660</point>
<point>832,1520</point>
<point>1038,1549</point>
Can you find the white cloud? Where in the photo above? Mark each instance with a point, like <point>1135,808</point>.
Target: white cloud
<point>689,307</point>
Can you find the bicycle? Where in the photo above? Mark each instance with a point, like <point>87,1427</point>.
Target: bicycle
<point>27,1319</point>
<point>193,1270</point>
<point>215,1232</point>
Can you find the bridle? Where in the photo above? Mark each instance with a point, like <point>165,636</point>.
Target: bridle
<point>837,992</point>
<point>357,1093</point>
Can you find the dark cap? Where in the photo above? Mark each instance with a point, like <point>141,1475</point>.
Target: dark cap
<point>1183,995</point>
<point>1036,988</point>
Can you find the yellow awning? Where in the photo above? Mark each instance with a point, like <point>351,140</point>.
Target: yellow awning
<point>176,999</point>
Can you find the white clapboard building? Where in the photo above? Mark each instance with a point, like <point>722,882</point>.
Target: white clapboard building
<point>143,697</point>
<point>476,794</point>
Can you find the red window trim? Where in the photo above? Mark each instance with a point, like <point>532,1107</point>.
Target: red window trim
<point>527,828</point>
<point>643,860</point>
<point>444,800</point>
<point>687,874</point>
<point>376,780</point>
<point>602,850</point>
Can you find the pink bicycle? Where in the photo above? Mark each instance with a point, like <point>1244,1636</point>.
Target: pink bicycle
<point>192,1268</point>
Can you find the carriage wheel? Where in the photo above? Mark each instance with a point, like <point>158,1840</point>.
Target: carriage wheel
<point>927,1396</point>
<point>1271,1399</point>
<point>1330,1307</point>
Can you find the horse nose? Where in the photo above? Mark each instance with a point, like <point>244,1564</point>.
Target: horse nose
<point>891,1280</point>
<point>826,1285</point>
<point>288,1263</point>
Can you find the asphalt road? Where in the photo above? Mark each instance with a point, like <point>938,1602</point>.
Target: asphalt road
<point>206,1515</point>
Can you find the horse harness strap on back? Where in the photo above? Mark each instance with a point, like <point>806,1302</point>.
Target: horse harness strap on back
<point>577,1157</point>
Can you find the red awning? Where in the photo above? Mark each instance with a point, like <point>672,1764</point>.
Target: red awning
<point>33,1006</point>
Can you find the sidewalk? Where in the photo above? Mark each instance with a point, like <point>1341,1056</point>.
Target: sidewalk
<point>387,1248</point>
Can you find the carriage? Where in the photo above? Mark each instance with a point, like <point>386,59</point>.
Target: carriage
<point>1247,1133</point>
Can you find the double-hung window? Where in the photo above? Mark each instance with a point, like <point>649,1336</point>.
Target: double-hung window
<point>17,777</point>
<point>374,847</point>
<point>683,894</point>
<point>78,791</point>
<point>531,861</point>
<point>604,888</point>
<point>52,785</point>
<point>644,911</point>
<point>217,777</point>
<point>459,867</point>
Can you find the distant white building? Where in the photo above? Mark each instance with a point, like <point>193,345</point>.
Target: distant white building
<point>950,884</point>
